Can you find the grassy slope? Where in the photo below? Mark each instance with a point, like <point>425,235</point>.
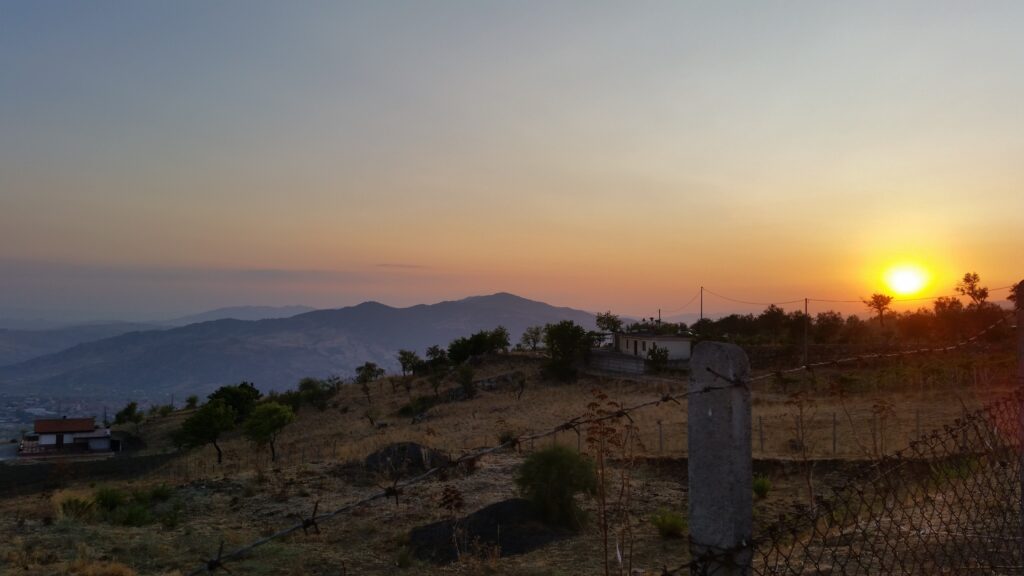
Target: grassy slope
<point>245,499</point>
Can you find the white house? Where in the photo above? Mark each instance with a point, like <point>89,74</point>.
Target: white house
<point>640,343</point>
<point>68,435</point>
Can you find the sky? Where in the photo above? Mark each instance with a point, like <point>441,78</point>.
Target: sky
<point>159,158</point>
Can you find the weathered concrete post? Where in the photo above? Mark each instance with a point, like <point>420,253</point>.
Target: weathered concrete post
<point>1019,293</point>
<point>720,472</point>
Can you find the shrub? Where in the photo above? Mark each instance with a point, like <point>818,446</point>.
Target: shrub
<point>166,410</point>
<point>132,514</point>
<point>109,499</point>
<point>78,509</point>
<point>192,401</point>
<point>417,406</point>
<point>669,524</point>
<point>762,485</point>
<point>465,376</point>
<point>551,478</point>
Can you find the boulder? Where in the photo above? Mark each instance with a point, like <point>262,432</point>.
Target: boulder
<point>508,527</point>
<point>405,459</point>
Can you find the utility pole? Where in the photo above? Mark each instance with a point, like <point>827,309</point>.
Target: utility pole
<point>701,302</point>
<point>659,315</point>
<point>807,323</point>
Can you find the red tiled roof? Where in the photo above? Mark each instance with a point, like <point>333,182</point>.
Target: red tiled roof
<point>59,425</point>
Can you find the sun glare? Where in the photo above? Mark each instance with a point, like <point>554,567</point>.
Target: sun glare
<point>906,279</point>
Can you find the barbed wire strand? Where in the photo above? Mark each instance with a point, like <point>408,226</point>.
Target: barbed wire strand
<point>395,490</point>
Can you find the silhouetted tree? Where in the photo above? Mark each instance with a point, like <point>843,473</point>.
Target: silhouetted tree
<point>499,339</point>
<point>532,337</point>
<point>970,286</point>
<point>567,344</point>
<point>315,392</point>
<point>879,303</point>
<point>608,322</point>
<point>408,361</point>
<point>130,414</point>
<point>240,397</point>
<point>827,326</point>
<point>192,401</point>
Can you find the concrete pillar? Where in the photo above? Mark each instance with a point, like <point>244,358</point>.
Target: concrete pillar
<point>720,472</point>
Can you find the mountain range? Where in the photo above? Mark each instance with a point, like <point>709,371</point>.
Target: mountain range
<point>272,353</point>
<point>21,344</point>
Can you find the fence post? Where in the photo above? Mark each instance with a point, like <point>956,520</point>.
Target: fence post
<point>661,439</point>
<point>1019,288</point>
<point>834,433</point>
<point>760,431</point>
<point>720,466</point>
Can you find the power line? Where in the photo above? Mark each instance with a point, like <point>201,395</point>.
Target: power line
<point>752,303</point>
<point>685,306</point>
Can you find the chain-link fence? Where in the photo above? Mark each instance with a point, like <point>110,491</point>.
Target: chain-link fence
<point>948,504</point>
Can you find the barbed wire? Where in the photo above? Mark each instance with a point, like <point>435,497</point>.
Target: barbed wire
<point>213,564</point>
<point>396,489</point>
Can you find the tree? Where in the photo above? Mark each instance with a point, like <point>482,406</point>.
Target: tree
<point>970,286</point>
<point>827,326</point>
<point>949,315</point>
<point>266,422</point>
<point>532,337</point>
<point>365,374</point>
<point>567,344</point>
<point>315,392</point>
<point>206,425</point>
<point>498,340</point>
<point>130,414</point>
<point>241,398</point>
<point>408,360</point>
<point>437,357</point>
<point>368,372</point>
<point>1017,295</point>
<point>657,358</point>
<point>879,303</point>
<point>608,322</point>
<point>191,402</point>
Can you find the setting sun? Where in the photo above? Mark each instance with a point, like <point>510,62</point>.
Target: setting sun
<point>906,279</point>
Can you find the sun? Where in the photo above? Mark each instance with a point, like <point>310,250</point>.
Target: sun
<point>906,279</point>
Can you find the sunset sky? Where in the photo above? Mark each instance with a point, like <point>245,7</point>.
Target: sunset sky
<point>160,158</point>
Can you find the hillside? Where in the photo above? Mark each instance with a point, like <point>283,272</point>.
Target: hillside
<point>322,456</point>
<point>21,345</point>
<point>240,313</point>
<point>274,353</point>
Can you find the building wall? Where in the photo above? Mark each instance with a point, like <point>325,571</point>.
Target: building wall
<point>99,444</point>
<point>47,439</point>
<point>677,349</point>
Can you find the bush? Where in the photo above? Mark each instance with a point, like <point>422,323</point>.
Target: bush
<point>762,485</point>
<point>417,406</point>
<point>109,499</point>
<point>551,478</point>
<point>464,376</point>
<point>78,509</point>
<point>166,410</point>
<point>669,524</point>
<point>132,514</point>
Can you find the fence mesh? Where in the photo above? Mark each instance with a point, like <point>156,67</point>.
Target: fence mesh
<point>948,504</point>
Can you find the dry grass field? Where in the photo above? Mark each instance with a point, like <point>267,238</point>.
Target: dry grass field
<point>867,409</point>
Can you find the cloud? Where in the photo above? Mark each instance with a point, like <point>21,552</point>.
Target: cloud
<point>402,266</point>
